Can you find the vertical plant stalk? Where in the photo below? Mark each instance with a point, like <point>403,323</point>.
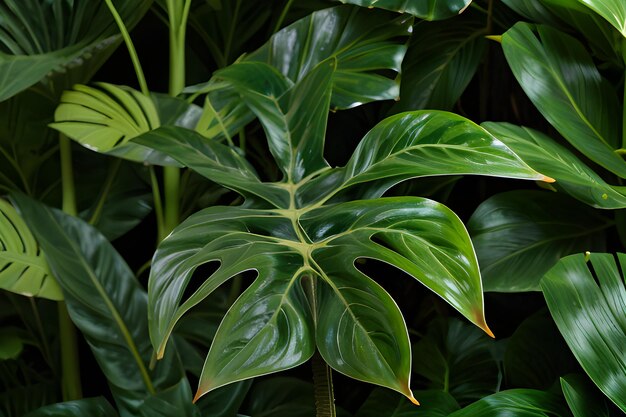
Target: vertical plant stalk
<point>323,387</point>
<point>624,98</point>
<point>70,367</point>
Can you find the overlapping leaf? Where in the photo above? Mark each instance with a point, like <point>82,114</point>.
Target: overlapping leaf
<point>516,402</point>
<point>424,9</point>
<point>591,317</point>
<point>23,266</point>
<point>614,11</point>
<point>37,38</point>
<point>561,80</point>
<point>104,300</point>
<point>518,239</point>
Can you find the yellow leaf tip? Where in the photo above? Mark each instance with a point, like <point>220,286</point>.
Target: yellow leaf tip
<point>197,396</point>
<point>497,38</point>
<point>489,332</point>
<point>547,179</point>
<point>413,400</point>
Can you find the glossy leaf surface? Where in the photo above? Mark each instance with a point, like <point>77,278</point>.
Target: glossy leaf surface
<point>584,399</point>
<point>441,60</point>
<point>574,98</point>
<point>385,403</point>
<point>105,302</point>
<point>614,11</point>
<point>92,407</point>
<point>424,9</point>
<point>23,266</point>
<point>591,317</point>
<point>37,38</point>
<point>518,239</point>
<point>516,402</point>
<point>550,158</point>
<point>363,43</point>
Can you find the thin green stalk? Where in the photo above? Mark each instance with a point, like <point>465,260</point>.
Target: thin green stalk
<point>106,189</point>
<point>283,14</point>
<point>131,48</point>
<point>158,207</point>
<point>70,367</point>
<point>624,98</point>
<point>323,387</point>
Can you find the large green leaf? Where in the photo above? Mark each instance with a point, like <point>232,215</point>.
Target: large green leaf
<point>561,80</point>
<point>441,60</point>
<point>520,235</point>
<point>584,399</point>
<point>104,300</point>
<point>457,358</point>
<point>363,43</point>
<point>591,317</point>
<point>614,11</point>
<point>548,157</point>
<point>424,9</point>
<point>37,38</point>
<point>92,407</point>
<point>516,402</point>
<point>23,266</point>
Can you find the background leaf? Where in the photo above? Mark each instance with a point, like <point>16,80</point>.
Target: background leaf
<point>518,239</point>
<point>516,402</point>
<point>614,11</point>
<point>92,407</point>
<point>386,403</point>
<point>591,317</point>
<point>424,9</point>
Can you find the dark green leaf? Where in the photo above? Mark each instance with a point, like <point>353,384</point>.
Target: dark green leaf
<point>363,42</point>
<point>561,80</point>
<point>281,397</point>
<point>424,9</point>
<point>515,402</point>
<point>11,344</point>
<point>457,359</point>
<point>591,317</point>
<point>520,235</point>
<point>584,398</point>
<point>23,266</point>
<point>548,157</point>
<point>440,62</point>
<point>104,300</point>
<point>92,407</point>
<point>173,401</point>
<point>385,403</point>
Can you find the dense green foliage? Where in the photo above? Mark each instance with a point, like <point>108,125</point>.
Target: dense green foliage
<point>360,189</point>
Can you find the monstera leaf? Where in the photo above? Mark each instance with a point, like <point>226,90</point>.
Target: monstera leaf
<point>308,293</point>
<point>37,38</point>
<point>23,266</point>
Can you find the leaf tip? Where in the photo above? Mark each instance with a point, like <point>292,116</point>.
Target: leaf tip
<point>547,179</point>
<point>413,400</point>
<point>197,396</point>
<point>497,38</point>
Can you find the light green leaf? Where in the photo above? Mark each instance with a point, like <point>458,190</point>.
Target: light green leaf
<point>548,157</point>
<point>23,266</point>
<point>520,235</point>
<point>591,317</point>
<point>105,302</point>
<point>614,11</point>
<point>363,43</point>
<point>516,402</point>
<point>560,78</point>
<point>424,9</point>
<point>92,407</point>
<point>441,60</point>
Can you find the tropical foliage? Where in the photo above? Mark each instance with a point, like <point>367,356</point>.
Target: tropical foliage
<point>312,208</point>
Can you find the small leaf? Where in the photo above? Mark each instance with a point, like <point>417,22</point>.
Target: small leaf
<point>23,266</point>
<point>11,344</point>
<point>424,9</point>
<point>517,239</point>
<point>561,80</point>
<point>591,317</point>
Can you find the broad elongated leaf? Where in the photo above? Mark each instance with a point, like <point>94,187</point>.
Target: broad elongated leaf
<point>294,118</point>
<point>548,157</point>
<point>457,358</point>
<point>516,402</point>
<point>23,266</point>
<point>440,62</point>
<point>37,38</point>
<point>104,301</point>
<point>385,403</point>
<point>584,399</point>
<point>591,317</point>
<point>424,9</point>
<point>426,143</point>
<point>614,11</point>
<point>92,407</point>
<point>520,235</point>
<point>362,42</point>
<point>559,77</point>
<point>106,118</point>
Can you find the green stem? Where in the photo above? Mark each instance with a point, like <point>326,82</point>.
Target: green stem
<point>158,207</point>
<point>624,98</point>
<point>283,14</point>
<point>70,367</point>
<point>131,48</point>
<point>323,387</point>
<point>106,189</point>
